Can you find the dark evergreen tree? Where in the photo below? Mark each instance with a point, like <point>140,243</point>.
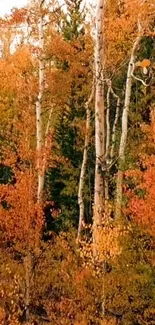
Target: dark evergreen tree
<point>68,138</point>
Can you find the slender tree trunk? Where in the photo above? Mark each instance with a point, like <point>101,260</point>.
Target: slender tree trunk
<point>108,123</point>
<point>99,197</point>
<point>84,166</point>
<point>152,114</point>
<point>99,123</point>
<point>39,131</point>
<point>110,136</point>
<point>113,138</point>
<point>41,139</point>
<point>107,154</point>
<point>123,139</point>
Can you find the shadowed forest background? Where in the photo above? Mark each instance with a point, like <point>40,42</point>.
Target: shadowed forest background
<point>77,163</point>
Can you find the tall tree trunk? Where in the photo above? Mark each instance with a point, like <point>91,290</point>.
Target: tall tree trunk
<point>110,136</point>
<point>84,166</point>
<point>39,131</point>
<point>107,153</point>
<point>123,139</point>
<point>99,123</point>
<point>113,138</point>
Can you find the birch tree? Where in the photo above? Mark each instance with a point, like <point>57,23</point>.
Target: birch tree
<point>110,135</point>
<point>46,12</point>
<point>39,146</point>
<point>84,165</point>
<point>125,115</point>
<point>39,131</point>
<point>99,119</point>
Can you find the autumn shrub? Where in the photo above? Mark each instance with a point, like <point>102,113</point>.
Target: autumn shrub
<point>68,290</point>
<point>140,182</point>
<point>130,285</point>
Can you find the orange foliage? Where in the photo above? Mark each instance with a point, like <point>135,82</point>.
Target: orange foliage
<point>121,29</point>
<point>142,200</point>
<point>2,316</point>
<point>73,279</point>
<point>144,63</point>
<point>22,221</point>
<point>19,16</point>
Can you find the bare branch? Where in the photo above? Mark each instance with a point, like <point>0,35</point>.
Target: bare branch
<point>48,124</point>
<point>136,78</point>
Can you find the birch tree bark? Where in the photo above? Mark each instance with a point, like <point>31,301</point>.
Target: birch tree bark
<point>107,152</point>
<point>110,136</point>
<point>113,138</point>
<point>84,165</point>
<point>99,120</point>
<point>39,131</point>
<point>125,114</point>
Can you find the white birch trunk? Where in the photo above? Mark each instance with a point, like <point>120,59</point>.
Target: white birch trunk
<point>113,138</point>
<point>110,136</point>
<point>84,166</point>
<point>108,123</point>
<point>123,139</point>
<point>99,123</point>
<point>106,180</point>
<point>39,131</point>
